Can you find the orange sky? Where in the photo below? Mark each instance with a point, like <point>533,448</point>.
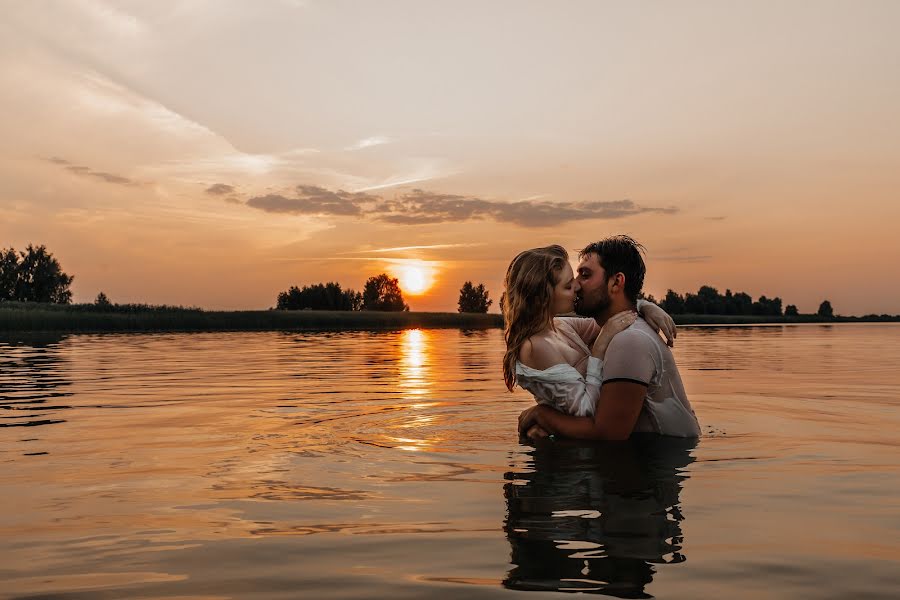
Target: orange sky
<point>213,153</point>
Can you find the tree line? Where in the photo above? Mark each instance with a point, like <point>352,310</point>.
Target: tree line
<point>35,275</point>
<point>380,292</point>
<point>708,301</point>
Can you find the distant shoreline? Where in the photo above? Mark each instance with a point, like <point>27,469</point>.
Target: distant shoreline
<point>91,319</point>
<point>774,320</point>
<point>24,318</point>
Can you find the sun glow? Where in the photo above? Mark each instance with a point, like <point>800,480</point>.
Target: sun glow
<point>415,278</point>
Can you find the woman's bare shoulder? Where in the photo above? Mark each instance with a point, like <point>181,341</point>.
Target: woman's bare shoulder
<point>539,353</point>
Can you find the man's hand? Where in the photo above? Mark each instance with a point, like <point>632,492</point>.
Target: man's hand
<point>537,433</point>
<point>528,419</point>
<point>660,320</point>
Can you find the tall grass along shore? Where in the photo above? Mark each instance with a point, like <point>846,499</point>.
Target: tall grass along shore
<point>33,316</point>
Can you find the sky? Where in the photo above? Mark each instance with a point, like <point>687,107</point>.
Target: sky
<point>214,153</point>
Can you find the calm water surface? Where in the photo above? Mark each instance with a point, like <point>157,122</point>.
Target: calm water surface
<point>339,465</point>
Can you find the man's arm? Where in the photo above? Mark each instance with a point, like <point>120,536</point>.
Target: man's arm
<point>618,409</point>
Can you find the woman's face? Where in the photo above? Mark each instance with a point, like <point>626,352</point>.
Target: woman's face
<point>564,291</point>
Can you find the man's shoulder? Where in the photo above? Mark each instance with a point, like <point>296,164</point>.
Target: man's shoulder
<point>638,337</point>
<point>638,333</point>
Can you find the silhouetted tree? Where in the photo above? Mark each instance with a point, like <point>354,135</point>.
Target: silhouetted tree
<point>33,276</point>
<point>383,293</point>
<point>693,304</point>
<point>713,302</point>
<point>825,310</point>
<point>319,296</point>
<point>473,299</point>
<point>673,303</point>
<point>765,306</point>
<point>790,311</point>
<point>9,273</point>
<point>743,304</point>
<point>728,303</point>
<point>102,300</point>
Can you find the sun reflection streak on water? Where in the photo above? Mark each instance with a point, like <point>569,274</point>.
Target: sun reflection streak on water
<point>415,372</point>
<point>415,384</point>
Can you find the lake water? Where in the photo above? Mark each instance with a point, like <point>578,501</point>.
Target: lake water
<point>386,465</point>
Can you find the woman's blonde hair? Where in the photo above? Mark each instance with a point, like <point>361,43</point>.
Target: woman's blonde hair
<point>527,301</point>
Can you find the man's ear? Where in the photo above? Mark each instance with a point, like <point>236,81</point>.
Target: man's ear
<point>618,282</point>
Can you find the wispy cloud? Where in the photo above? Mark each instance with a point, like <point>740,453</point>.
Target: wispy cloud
<point>378,140</point>
<point>113,19</point>
<point>419,207</point>
<point>424,247</point>
<point>88,172</point>
<point>686,259</point>
<point>395,183</point>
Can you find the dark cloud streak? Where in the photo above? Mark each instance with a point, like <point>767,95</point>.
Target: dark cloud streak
<point>88,172</point>
<point>219,189</point>
<point>419,207</point>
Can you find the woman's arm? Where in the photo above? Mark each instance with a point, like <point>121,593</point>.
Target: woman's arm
<point>588,329</point>
<point>658,319</point>
<point>585,327</point>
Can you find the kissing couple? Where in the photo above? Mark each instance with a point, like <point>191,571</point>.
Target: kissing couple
<point>602,375</point>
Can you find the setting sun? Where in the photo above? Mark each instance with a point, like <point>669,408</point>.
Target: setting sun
<point>415,278</point>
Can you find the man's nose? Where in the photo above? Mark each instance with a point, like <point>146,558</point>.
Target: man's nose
<point>577,286</point>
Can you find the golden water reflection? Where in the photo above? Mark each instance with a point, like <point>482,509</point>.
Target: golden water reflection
<point>415,383</point>
<point>415,366</point>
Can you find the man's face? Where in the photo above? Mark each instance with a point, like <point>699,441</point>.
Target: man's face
<point>593,295</point>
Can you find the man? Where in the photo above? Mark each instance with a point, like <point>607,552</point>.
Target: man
<point>642,389</point>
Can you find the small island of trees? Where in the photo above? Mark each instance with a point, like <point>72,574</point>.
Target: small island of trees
<point>381,292</point>
<point>33,275</point>
<point>473,299</point>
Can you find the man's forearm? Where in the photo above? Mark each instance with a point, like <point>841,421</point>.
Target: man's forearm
<point>615,416</point>
<point>565,425</point>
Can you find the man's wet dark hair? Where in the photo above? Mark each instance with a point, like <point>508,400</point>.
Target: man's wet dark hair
<point>620,254</point>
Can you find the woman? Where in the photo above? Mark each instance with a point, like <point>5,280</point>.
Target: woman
<point>557,358</point>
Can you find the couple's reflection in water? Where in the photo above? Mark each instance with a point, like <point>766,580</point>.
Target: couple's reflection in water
<point>596,517</point>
